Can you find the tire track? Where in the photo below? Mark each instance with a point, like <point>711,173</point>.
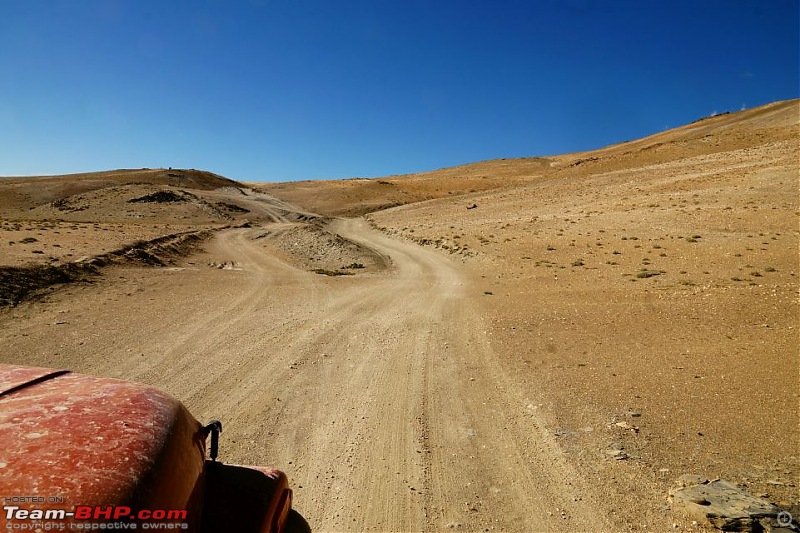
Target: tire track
<point>378,394</point>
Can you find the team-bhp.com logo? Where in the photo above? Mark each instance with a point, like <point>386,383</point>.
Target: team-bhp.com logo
<point>88,517</point>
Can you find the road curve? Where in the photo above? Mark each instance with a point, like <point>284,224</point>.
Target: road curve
<point>378,394</point>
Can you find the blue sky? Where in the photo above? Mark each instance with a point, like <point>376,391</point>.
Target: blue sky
<point>280,90</point>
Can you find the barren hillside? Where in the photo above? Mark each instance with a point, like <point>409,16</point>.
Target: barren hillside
<point>716,134</point>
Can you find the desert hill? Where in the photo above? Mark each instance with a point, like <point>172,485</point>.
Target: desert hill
<point>715,134</point>
<point>34,191</point>
<point>64,218</point>
<point>358,196</point>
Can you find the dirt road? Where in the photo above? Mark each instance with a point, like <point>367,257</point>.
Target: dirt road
<point>378,393</point>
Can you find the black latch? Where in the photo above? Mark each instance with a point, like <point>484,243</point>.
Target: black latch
<point>214,428</point>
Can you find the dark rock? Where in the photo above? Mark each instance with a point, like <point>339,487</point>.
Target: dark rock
<point>159,197</point>
<point>722,504</point>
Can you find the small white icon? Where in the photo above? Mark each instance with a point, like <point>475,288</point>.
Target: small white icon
<point>784,519</point>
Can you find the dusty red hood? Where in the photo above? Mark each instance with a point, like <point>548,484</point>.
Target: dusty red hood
<point>96,441</point>
<point>13,378</point>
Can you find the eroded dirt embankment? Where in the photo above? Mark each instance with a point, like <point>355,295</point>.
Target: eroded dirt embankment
<point>18,283</point>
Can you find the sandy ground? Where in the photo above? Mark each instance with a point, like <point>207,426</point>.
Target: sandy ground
<point>378,394</point>
<point>479,354</point>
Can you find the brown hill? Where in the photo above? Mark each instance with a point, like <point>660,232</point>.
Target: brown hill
<point>776,121</point>
<point>26,193</point>
<point>62,219</point>
<point>357,196</point>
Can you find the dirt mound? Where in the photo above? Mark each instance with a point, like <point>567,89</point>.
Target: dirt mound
<point>160,251</point>
<point>314,248</point>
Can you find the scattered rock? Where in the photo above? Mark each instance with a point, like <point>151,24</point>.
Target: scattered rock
<point>227,206</point>
<point>616,451</point>
<point>627,426</point>
<point>619,455</point>
<point>226,265</point>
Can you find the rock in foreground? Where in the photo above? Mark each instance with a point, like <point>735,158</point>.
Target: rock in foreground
<point>727,507</point>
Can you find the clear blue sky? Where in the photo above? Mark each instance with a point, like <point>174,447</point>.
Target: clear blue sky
<point>281,90</point>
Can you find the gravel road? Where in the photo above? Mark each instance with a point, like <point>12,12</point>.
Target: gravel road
<point>377,393</point>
